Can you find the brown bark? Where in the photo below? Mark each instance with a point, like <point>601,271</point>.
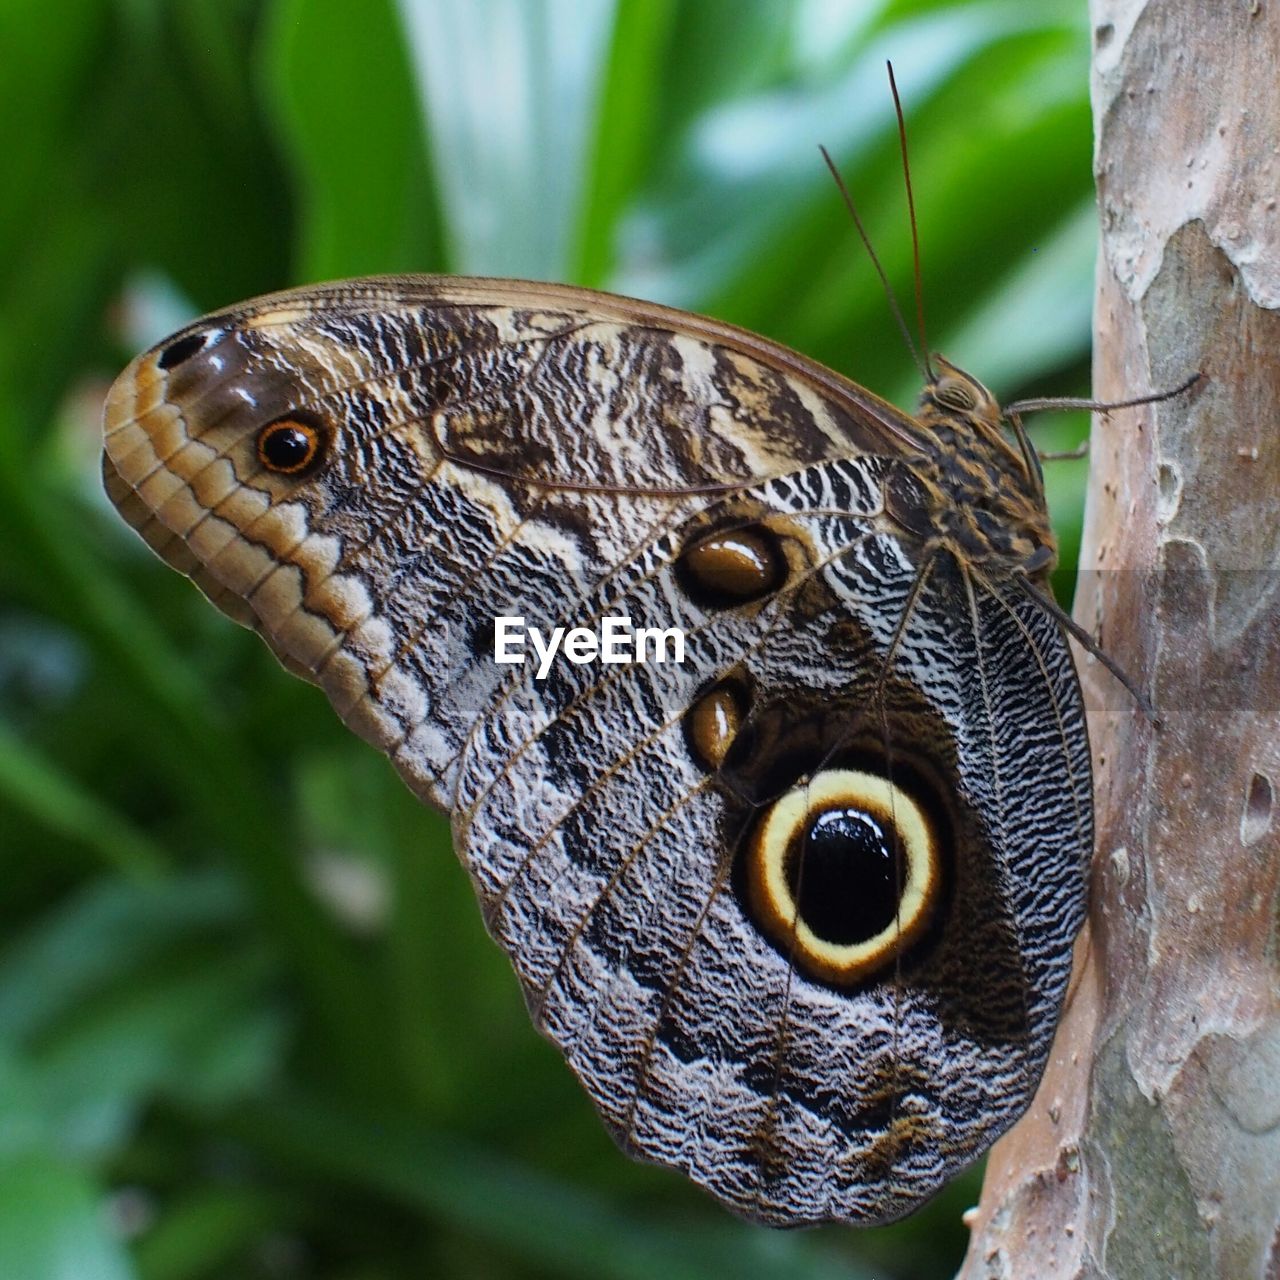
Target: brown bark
<point>1153,1147</point>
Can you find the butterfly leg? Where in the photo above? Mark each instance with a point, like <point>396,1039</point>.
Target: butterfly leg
<point>1087,642</point>
<point>1068,455</point>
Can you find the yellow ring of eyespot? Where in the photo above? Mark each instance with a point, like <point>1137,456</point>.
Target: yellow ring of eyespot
<point>775,905</point>
<point>311,433</point>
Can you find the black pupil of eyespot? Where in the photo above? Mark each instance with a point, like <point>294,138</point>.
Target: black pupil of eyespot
<point>847,876</point>
<point>287,447</point>
<point>174,354</point>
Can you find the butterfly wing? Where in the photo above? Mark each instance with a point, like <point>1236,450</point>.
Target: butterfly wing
<point>378,574</point>
<point>615,864</point>
<point>371,473</point>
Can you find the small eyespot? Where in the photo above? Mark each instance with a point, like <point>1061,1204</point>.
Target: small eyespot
<point>733,567</point>
<point>176,352</point>
<point>713,721</point>
<point>291,445</point>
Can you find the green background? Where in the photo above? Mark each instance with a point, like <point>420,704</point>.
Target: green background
<point>250,1025</point>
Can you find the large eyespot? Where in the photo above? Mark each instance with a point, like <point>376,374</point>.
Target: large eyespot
<point>292,445</point>
<point>844,874</point>
<point>733,567</point>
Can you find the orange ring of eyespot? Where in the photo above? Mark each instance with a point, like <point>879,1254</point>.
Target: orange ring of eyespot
<point>776,908</point>
<point>310,433</point>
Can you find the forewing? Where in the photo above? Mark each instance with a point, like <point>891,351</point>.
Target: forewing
<point>488,446</point>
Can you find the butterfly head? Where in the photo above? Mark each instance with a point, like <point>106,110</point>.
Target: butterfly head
<point>956,396</point>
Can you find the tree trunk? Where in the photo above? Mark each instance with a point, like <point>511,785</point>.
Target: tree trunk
<point>1153,1147</point>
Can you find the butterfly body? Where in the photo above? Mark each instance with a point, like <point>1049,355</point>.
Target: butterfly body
<point>798,911</point>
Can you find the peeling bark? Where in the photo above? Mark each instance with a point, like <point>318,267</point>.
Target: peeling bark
<point>1153,1147</point>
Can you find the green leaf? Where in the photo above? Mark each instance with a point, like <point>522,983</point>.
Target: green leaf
<point>510,92</point>
<point>60,803</point>
<point>119,997</point>
<point>104,934</point>
<point>540,1220</point>
<point>1035,317</point>
<point>53,1225</point>
<point>348,114</point>
<point>627,129</point>
<point>208,1232</point>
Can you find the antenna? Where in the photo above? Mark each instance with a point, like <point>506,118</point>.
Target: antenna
<point>911,213</point>
<point>875,262</point>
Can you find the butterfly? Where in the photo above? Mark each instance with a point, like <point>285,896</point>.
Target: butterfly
<point>798,910</point>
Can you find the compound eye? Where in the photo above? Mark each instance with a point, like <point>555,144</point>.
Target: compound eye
<point>954,394</point>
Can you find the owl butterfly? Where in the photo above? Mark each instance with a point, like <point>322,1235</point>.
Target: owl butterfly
<point>798,910</point>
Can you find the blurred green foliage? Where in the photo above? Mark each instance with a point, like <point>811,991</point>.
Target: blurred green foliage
<point>250,1025</point>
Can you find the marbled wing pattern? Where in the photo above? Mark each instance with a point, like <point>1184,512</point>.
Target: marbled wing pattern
<point>494,448</point>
